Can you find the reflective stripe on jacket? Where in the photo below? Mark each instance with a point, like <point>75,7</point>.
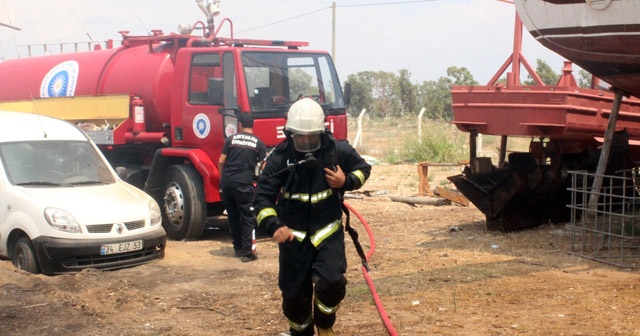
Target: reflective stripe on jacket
<point>320,235</point>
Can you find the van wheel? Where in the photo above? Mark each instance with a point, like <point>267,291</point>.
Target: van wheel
<point>183,206</point>
<point>24,256</point>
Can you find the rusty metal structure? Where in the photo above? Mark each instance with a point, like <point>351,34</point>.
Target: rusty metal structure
<point>569,128</point>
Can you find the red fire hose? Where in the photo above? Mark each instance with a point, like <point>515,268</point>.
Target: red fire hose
<point>367,277</point>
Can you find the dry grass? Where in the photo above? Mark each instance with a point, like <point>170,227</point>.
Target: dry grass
<point>388,140</point>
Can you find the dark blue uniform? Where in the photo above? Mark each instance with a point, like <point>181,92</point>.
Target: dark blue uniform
<point>243,151</point>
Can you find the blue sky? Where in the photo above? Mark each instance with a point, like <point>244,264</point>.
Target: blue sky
<point>424,37</point>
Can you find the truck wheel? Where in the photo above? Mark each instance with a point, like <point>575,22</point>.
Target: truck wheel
<point>183,207</point>
<point>24,257</point>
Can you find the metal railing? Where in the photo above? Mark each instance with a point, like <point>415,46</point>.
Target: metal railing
<point>61,48</point>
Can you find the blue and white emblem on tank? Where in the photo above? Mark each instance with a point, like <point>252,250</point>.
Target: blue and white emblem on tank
<point>201,125</point>
<point>60,81</point>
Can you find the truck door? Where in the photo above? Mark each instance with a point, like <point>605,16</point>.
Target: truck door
<point>201,123</point>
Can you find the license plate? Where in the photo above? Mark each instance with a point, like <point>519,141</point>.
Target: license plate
<point>121,247</point>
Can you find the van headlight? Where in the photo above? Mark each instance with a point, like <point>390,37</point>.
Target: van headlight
<point>61,220</point>
<point>155,216</point>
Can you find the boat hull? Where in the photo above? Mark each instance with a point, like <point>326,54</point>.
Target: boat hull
<point>601,36</point>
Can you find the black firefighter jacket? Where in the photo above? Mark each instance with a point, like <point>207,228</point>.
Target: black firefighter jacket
<point>300,196</point>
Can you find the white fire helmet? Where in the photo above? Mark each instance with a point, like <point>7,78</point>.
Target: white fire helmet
<point>305,121</point>
<point>305,117</point>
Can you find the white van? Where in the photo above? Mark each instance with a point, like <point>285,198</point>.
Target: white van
<point>63,208</point>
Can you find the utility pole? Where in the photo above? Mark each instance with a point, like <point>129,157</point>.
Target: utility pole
<point>333,31</point>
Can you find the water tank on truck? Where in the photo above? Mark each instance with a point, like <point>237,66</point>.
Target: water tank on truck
<point>160,107</point>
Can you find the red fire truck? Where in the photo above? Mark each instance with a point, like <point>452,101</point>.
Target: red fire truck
<point>160,107</point>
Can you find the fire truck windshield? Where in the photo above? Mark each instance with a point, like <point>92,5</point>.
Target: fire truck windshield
<point>276,79</point>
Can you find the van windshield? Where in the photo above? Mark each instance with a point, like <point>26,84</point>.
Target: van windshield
<point>53,163</point>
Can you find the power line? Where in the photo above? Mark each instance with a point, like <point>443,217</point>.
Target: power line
<point>386,3</point>
<point>8,25</point>
<point>79,22</point>
<point>284,20</point>
<point>138,17</point>
<point>325,8</point>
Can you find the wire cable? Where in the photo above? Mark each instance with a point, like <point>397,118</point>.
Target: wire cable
<point>79,22</point>
<point>386,3</point>
<point>337,6</point>
<point>138,17</point>
<point>284,20</point>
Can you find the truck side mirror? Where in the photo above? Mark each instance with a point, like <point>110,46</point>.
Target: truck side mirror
<point>347,93</point>
<point>216,91</point>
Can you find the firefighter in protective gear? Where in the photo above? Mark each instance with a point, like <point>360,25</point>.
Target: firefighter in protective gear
<point>299,203</point>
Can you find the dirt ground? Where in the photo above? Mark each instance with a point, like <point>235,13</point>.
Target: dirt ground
<point>435,269</point>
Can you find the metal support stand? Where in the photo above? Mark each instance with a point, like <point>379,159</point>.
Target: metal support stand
<point>503,151</point>
<point>606,148</point>
<point>473,136</point>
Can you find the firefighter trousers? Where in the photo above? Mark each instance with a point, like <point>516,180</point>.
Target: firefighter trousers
<point>238,201</point>
<point>312,282</point>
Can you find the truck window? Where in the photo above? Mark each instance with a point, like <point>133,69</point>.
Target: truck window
<point>276,79</point>
<point>203,67</point>
<point>311,78</point>
<point>261,94</point>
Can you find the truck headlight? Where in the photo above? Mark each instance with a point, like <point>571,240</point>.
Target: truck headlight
<point>61,220</point>
<point>155,216</point>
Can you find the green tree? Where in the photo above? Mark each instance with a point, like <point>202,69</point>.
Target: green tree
<point>361,92</point>
<point>385,91</point>
<point>544,71</point>
<point>407,92</point>
<point>435,96</point>
<point>461,76</point>
<point>584,79</point>
<point>385,94</point>
<point>378,92</point>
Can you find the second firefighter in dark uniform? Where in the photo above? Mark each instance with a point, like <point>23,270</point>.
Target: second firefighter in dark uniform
<point>241,153</point>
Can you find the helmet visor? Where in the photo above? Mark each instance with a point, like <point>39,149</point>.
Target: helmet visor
<point>306,143</point>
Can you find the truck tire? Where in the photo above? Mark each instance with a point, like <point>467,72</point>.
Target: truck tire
<point>23,256</point>
<point>183,208</point>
